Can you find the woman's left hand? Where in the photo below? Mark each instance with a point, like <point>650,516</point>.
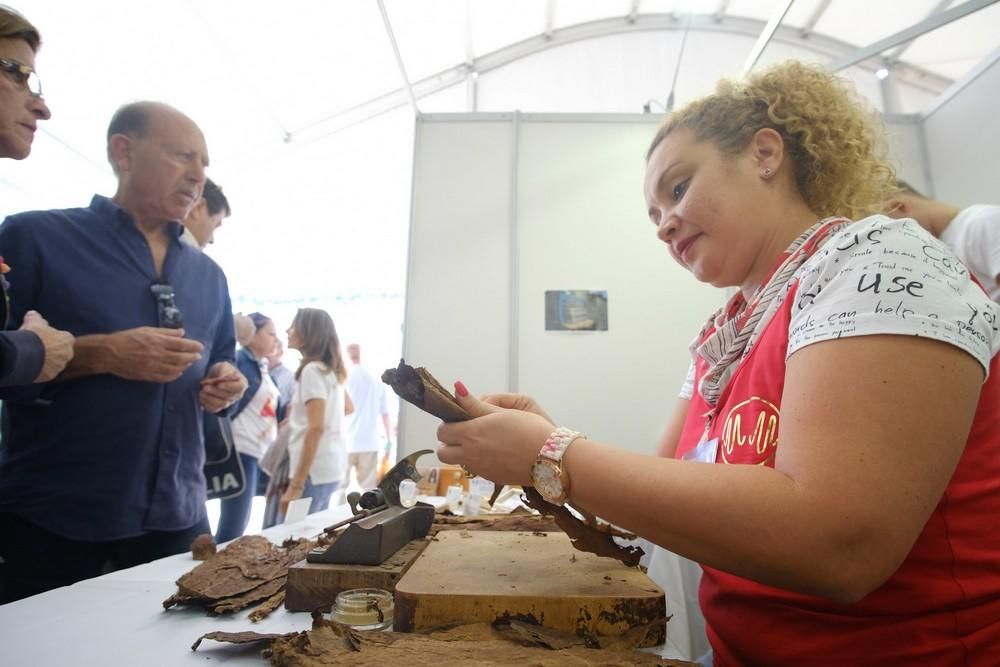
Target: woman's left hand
<point>498,444</point>
<point>293,492</point>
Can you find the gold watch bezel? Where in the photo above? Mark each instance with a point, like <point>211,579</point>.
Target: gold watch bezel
<point>560,475</point>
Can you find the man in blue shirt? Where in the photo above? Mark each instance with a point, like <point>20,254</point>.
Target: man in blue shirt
<point>102,468</point>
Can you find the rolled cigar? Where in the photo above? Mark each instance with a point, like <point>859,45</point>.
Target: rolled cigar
<point>418,386</point>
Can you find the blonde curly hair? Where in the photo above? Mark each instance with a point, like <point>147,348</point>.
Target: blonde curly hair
<point>836,140</point>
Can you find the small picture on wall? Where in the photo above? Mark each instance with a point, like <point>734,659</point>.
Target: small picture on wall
<point>576,310</point>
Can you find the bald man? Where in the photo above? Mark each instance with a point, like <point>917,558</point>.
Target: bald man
<point>102,467</point>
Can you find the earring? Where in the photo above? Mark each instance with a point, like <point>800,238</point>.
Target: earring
<point>766,173</point>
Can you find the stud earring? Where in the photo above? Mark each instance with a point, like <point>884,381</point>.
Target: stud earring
<point>766,173</point>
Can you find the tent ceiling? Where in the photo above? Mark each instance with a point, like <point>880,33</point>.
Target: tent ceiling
<point>307,62</point>
<point>274,85</point>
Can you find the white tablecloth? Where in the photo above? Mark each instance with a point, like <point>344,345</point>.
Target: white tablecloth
<point>117,619</point>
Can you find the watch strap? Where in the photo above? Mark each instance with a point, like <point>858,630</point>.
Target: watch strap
<point>557,442</point>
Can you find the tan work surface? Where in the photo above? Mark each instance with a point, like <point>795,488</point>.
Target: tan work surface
<point>314,586</point>
<point>469,576</point>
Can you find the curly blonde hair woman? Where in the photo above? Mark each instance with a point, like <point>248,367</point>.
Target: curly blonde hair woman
<point>848,396</point>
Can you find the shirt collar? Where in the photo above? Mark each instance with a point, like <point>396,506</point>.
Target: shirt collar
<point>106,208</point>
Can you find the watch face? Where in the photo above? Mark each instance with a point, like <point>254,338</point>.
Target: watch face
<point>546,476</point>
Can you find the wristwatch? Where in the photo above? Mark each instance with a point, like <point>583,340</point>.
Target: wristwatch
<point>547,473</point>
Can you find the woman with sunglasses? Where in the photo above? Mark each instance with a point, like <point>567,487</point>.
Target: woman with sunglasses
<point>36,352</point>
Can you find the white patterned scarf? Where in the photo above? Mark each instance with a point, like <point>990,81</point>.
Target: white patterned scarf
<point>738,324</point>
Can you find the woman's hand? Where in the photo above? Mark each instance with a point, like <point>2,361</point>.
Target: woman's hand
<point>516,402</point>
<point>500,444</point>
<point>293,492</point>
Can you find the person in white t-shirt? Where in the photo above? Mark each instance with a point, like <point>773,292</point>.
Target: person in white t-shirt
<point>972,233</point>
<point>254,424</point>
<point>368,394</point>
<point>317,447</point>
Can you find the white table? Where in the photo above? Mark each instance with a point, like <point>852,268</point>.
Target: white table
<point>118,619</point>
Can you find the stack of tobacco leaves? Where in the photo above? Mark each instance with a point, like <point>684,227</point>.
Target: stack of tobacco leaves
<point>249,571</point>
<point>510,643</point>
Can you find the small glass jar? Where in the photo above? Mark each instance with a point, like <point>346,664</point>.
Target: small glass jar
<point>364,609</point>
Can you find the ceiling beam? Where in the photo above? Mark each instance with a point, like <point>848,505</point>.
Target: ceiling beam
<point>766,34</point>
<point>720,11</point>
<point>633,11</point>
<point>911,33</point>
<point>471,75</point>
<point>824,46</point>
<point>399,57</point>
<point>957,87</point>
<point>550,18</point>
<point>811,22</point>
<point>892,58</point>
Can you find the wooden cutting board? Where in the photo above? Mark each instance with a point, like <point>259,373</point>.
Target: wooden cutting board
<point>468,576</point>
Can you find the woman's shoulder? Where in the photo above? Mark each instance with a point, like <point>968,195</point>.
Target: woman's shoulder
<point>879,275</point>
<point>318,369</point>
<point>879,243</point>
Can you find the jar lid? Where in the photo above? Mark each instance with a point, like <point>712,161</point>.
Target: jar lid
<point>364,608</point>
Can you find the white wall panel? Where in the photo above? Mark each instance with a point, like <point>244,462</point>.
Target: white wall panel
<point>458,281</point>
<point>963,142</point>
<point>583,225</point>
<point>580,223</point>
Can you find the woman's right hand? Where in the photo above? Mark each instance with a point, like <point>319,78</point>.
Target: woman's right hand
<point>516,402</point>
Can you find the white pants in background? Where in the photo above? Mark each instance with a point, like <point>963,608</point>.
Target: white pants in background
<point>365,467</point>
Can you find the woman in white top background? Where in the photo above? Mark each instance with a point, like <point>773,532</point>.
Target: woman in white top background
<point>317,448</point>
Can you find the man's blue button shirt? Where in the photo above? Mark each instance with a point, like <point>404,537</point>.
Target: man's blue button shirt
<point>101,458</point>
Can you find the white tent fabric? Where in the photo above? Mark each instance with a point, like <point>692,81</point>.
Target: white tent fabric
<point>309,113</point>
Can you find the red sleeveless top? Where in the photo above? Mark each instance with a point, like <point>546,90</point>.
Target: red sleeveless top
<point>942,607</point>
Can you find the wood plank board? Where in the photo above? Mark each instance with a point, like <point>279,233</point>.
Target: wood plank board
<point>314,586</point>
<point>469,576</point>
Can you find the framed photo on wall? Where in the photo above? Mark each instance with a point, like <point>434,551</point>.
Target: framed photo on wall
<point>576,310</point>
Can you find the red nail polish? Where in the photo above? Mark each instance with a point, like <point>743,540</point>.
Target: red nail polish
<point>460,389</point>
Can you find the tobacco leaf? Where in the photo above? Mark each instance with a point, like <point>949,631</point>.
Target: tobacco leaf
<point>476,644</point>
<point>248,571</point>
<point>536,635</point>
<point>418,386</point>
<point>268,606</point>
<point>236,602</point>
<point>237,637</point>
<point>583,536</point>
